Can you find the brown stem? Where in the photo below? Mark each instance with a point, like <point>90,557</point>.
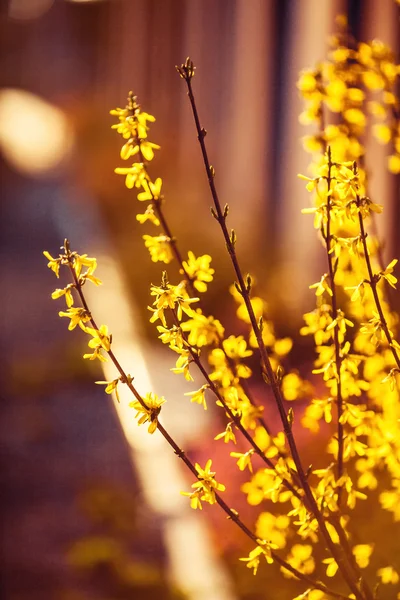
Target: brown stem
<point>338,360</point>
<point>266,364</point>
<point>339,399</point>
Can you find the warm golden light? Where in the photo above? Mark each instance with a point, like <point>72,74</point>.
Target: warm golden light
<point>34,135</point>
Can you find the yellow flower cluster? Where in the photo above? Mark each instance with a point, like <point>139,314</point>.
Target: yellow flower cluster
<point>149,411</point>
<point>262,550</point>
<point>148,408</point>
<point>205,487</point>
<point>187,337</point>
<point>133,127</point>
<point>354,328</point>
<point>357,82</point>
<point>368,367</point>
<point>79,316</point>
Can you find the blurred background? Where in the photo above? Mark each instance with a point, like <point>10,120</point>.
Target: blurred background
<point>90,502</point>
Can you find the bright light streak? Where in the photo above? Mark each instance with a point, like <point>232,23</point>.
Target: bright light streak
<point>34,135</point>
<point>189,544</point>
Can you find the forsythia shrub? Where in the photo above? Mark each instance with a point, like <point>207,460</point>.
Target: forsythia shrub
<point>353,326</point>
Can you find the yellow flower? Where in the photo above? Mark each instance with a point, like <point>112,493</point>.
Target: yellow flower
<point>312,143</point>
<point>391,378</point>
<point>78,316</point>
<point>172,336</point>
<point>195,499</point>
<point>205,487</point>
<point>388,575</point>
<point>273,528</point>
<point>221,370</point>
<point>283,346</point>
<point>111,386</point>
<point>147,149</point>
<point>355,116</point>
<point>300,557</point>
<point>332,567</point>
<point>367,478</point>
<point>152,191</point>
<point>183,363</point>
<point>149,412</point>
<point>134,175</point>
<point>199,270</point>
<point>341,323</point>
<point>132,147</point>
<point>356,95</point>
<point>171,297</point>
<point>100,338</point>
<point>159,248</point>
<point>236,347</point>
<point>199,396</point>
<point>387,273</point>
<point>258,305</point>
<point>374,328</point>
<point>294,387</point>
<point>96,354</point>
<point>253,560</point>
<point>203,331</point>
<point>127,125</point>
<point>92,278</point>
<point>142,118</point>
<point>132,121</point>
<point>53,264</point>
<point>373,81</point>
<point>362,554</point>
<point>382,133</point>
<point>322,286</point>
<point>359,291</point>
<point>67,292</point>
<point>244,460</point>
<point>312,595</point>
<point>148,215</point>
<point>83,260</point>
<point>394,163</point>
<point>307,82</point>
<point>228,434</point>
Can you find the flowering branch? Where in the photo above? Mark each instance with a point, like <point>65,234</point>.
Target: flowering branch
<point>136,128</point>
<point>373,281</point>
<point>327,235</point>
<point>234,416</point>
<point>206,486</point>
<point>186,72</point>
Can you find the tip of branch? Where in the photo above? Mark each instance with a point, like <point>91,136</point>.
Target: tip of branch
<point>186,70</point>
